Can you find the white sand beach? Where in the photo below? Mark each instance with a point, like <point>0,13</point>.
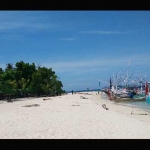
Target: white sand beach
<point>70,117</point>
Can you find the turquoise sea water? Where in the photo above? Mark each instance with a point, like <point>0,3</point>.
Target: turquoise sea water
<point>85,90</point>
<point>138,104</point>
<point>143,105</point>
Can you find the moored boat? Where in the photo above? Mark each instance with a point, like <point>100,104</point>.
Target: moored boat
<point>147,93</point>
<point>139,97</point>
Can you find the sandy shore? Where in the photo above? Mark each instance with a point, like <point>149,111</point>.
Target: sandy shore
<point>70,117</point>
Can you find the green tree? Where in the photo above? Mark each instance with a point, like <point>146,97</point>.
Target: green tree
<point>27,78</point>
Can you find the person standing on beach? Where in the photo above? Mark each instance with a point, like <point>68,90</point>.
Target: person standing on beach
<point>72,92</point>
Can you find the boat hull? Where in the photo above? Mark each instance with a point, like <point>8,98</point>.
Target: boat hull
<point>139,97</point>
<point>128,98</point>
<point>148,99</point>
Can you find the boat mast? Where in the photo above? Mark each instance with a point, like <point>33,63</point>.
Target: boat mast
<point>128,72</point>
<point>116,82</point>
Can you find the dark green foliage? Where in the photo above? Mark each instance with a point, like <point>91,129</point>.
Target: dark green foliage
<point>28,80</point>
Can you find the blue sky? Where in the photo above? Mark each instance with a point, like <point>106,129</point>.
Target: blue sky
<point>80,46</point>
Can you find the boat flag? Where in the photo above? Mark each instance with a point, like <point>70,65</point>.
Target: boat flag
<point>146,89</point>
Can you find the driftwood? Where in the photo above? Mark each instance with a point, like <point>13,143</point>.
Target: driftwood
<point>33,105</point>
<point>9,101</point>
<point>85,93</point>
<point>139,113</point>
<point>82,97</point>
<point>47,99</point>
<point>104,106</point>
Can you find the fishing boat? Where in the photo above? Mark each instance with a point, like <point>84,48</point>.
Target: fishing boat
<point>105,90</point>
<point>139,97</point>
<point>121,87</point>
<point>147,94</point>
<point>135,93</point>
<point>140,94</point>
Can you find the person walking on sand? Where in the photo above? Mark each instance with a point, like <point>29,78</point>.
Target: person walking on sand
<point>72,92</point>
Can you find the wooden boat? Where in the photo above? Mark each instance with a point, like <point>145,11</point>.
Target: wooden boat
<point>147,93</point>
<point>105,90</point>
<point>120,88</point>
<point>139,97</point>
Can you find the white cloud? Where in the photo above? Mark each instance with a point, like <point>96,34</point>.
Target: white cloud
<point>79,67</point>
<point>6,26</point>
<point>23,20</point>
<point>109,32</point>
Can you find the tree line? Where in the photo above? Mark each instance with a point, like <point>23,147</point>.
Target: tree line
<point>26,79</point>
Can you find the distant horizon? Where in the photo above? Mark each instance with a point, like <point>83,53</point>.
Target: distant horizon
<point>82,47</point>
<point>83,90</point>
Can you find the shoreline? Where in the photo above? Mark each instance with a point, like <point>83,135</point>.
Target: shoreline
<point>130,103</point>
<point>137,113</point>
<point>77,116</point>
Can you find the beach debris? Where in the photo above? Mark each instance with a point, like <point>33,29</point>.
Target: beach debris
<point>104,106</point>
<point>33,105</point>
<point>139,113</point>
<point>82,97</point>
<point>9,101</point>
<point>75,105</point>
<point>84,93</point>
<point>47,99</point>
